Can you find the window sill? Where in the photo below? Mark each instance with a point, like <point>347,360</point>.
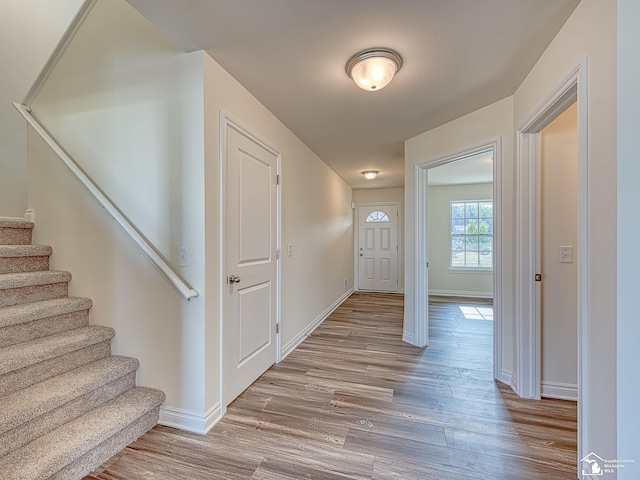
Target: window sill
<point>473,271</point>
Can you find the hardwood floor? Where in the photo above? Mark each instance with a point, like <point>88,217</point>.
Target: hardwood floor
<point>353,401</point>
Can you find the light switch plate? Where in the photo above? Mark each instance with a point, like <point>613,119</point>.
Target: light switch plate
<point>183,257</point>
<point>566,254</point>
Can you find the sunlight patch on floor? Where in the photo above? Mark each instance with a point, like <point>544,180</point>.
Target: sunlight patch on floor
<point>477,313</point>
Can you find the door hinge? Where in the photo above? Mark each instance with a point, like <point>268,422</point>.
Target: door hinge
<point>277,328</point>
<point>538,277</point>
<point>277,253</point>
<point>278,179</point>
<point>427,264</point>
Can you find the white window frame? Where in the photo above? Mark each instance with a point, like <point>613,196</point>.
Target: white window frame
<point>466,269</point>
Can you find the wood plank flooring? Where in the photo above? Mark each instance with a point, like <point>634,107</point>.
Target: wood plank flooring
<point>355,402</point>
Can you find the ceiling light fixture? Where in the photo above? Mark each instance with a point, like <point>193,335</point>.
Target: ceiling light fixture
<point>372,69</point>
<point>370,174</point>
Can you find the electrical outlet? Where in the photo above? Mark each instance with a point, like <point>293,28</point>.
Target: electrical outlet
<point>289,250</point>
<point>346,282</point>
<point>183,257</point>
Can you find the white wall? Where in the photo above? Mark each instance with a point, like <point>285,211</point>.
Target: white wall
<point>142,118</point>
<point>591,32</point>
<point>127,105</point>
<point>441,280</point>
<point>316,209</point>
<point>375,195</point>
<point>628,261</point>
<point>475,129</point>
<point>382,195</point>
<point>29,31</point>
<point>559,204</point>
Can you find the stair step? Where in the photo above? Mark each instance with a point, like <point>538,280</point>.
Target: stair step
<point>15,232</point>
<point>74,449</point>
<point>40,408</point>
<point>9,281</point>
<point>66,404</point>
<point>24,258</point>
<point>31,362</point>
<point>25,322</point>
<point>17,288</point>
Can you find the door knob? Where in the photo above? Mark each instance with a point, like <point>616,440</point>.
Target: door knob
<point>233,279</point>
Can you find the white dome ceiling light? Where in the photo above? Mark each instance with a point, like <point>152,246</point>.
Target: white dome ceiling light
<point>372,69</point>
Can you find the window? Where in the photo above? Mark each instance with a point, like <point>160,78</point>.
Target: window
<point>472,234</point>
<point>378,217</point>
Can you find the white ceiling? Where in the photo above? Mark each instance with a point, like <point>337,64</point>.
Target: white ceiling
<point>476,169</point>
<point>459,55</point>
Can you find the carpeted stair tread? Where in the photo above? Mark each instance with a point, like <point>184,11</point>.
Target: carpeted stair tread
<point>31,279</point>
<point>24,322</point>
<point>20,288</point>
<point>26,404</point>
<point>48,454</point>
<point>91,460</point>
<point>24,258</point>
<point>66,404</point>
<point>22,355</point>
<point>29,312</point>
<point>15,232</point>
<point>27,432</point>
<point>12,251</point>
<point>9,223</point>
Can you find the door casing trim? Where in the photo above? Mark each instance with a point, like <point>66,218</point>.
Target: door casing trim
<point>527,366</point>
<point>421,305</point>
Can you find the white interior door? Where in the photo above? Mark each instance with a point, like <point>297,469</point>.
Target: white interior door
<point>251,265</point>
<point>378,248</point>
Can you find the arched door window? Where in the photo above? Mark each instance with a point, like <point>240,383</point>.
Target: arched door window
<point>378,217</point>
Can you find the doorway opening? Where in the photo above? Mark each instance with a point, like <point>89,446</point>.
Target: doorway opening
<point>472,244</point>
<point>557,238</point>
<point>528,358</point>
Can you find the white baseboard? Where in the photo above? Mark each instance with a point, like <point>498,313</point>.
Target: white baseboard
<point>460,293</point>
<point>562,391</point>
<point>368,290</point>
<point>190,421</point>
<point>506,378</point>
<point>409,338</point>
<point>29,216</point>
<point>291,346</point>
<point>514,383</point>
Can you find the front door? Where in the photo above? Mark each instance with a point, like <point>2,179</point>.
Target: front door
<point>250,261</point>
<point>378,248</point>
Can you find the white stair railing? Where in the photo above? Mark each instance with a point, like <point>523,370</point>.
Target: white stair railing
<point>183,287</point>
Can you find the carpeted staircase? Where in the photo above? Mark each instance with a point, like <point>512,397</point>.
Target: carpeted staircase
<point>66,404</point>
